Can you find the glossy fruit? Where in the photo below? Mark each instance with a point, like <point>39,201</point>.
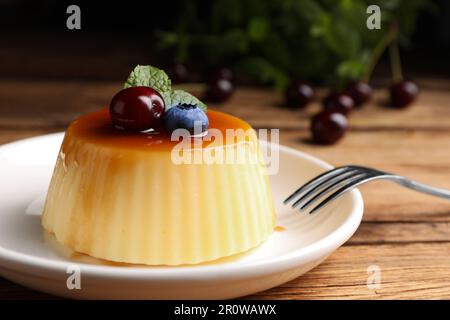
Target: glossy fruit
<point>328,126</point>
<point>178,73</point>
<point>341,102</point>
<point>219,90</point>
<point>137,109</point>
<point>403,93</point>
<point>186,116</point>
<point>360,91</point>
<point>298,94</point>
<point>220,73</point>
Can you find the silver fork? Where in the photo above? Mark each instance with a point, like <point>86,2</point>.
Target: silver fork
<point>338,181</point>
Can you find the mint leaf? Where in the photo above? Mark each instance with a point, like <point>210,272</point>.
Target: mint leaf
<point>176,97</point>
<point>149,76</point>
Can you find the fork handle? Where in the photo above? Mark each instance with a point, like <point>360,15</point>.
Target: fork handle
<point>411,184</point>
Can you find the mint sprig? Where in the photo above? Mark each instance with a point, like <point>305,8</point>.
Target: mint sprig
<point>177,97</point>
<point>149,76</point>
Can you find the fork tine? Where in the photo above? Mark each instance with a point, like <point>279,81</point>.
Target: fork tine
<point>343,190</point>
<point>358,174</point>
<point>316,180</point>
<point>324,185</point>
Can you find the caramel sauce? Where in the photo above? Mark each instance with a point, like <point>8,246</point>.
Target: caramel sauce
<point>97,128</point>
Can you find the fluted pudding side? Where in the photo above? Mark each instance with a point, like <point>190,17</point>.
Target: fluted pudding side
<point>135,205</point>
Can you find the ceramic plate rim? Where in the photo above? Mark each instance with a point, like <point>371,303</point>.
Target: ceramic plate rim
<point>24,263</point>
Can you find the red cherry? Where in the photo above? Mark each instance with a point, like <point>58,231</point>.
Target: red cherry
<point>403,93</point>
<point>360,91</point>
<point>179,73</point>
<point>298,94</point>
<point>219,90</point>
<point>137,109</point>
<point>220,73</point>
<point>328,126</point>
<point>340,102</point>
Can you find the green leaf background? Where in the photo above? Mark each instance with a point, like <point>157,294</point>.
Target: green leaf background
<point>270,41</point>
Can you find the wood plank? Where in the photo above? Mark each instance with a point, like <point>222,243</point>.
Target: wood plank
<point>373,233</point>
<point>10,135</point>
<point>408,271</point>
<point>50,104</point>
<point>55,103</point>
<point>264,109</point>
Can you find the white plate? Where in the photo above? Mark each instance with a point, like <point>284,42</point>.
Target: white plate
<point>32,258</point>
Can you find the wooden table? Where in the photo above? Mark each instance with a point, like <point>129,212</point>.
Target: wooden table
<point>405,234</point>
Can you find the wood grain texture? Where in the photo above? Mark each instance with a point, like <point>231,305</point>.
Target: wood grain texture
<point>407,271</point>
<point>405,234</point>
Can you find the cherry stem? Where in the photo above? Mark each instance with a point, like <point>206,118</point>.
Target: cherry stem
<point>396,65</point>
<point>379,49</point>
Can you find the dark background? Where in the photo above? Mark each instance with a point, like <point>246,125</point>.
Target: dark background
<point>115,36</point>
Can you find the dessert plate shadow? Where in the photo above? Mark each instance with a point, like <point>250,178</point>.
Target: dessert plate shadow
<point>29,256</point>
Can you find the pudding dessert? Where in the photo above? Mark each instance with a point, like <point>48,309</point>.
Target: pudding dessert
<point>126,188</point>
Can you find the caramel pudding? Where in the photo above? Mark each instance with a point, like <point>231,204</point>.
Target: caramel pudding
<point>119,196</point>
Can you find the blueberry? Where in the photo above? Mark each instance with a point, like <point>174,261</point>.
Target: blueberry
<point>186,116</point>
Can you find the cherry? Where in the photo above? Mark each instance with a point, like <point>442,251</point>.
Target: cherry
<point>360,91</point>
<point>340,102</point>
<point>219,90</point>
<point>137,109</point>
<point>179,73</point>
<point>220,73</point>
<point>298,94</point>
<point>403,93</point>
<point>328,126</point>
